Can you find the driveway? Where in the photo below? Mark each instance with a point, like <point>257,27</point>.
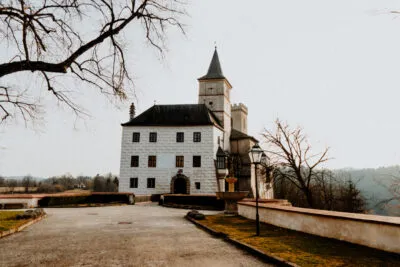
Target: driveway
<point>139,235</point>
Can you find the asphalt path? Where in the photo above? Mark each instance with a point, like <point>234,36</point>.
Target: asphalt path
<point>139,235</point>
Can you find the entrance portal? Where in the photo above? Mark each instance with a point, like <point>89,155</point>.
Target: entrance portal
<point>180,184</point>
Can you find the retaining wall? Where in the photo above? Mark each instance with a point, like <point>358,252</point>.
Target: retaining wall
<point>374,231</point>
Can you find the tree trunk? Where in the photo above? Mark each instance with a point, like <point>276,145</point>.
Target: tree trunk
<point>309,198</point>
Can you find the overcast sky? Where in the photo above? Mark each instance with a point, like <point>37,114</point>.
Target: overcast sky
<point>331,67</point>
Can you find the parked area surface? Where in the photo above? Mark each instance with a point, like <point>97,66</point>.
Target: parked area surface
<point>300,248</point>
<point>139,235</point>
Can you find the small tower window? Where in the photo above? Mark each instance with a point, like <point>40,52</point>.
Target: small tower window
<point>210,103</point>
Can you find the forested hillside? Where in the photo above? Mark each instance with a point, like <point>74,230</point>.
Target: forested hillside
<point>376,186</point>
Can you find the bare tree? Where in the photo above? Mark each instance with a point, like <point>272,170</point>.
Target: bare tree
<point>27,182</point>
<point>291,151</point>
<point>392,203</point>
<point>11,184</point>
<point>50,39</point>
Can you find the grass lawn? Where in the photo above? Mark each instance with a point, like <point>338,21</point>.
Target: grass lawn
<point>300,248</point>
<point>8,220</point>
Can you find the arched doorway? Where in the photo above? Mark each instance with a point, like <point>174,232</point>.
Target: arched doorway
<point>180,184</point>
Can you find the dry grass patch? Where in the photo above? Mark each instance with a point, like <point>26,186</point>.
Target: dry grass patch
<point>300,248</point>
<point>9,221</point>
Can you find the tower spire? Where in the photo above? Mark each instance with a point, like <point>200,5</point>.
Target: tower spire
<point>214,70</point>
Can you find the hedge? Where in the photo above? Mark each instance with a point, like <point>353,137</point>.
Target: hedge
<point>193,201</point>
<point>95,198</point>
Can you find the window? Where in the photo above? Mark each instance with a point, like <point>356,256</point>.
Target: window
<point>133,183</point>
<point>151,182</point>
<point>136,137</point>
<point>197,137</point>
<point>153,137</point>
<point>179,137</point>
<point>196,161</point>
<point>197,185</point>
<point>134,161</point>
<point>152,161</point>
<point>179,161</point>
<point>221,162</point>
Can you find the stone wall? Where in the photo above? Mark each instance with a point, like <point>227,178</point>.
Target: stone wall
<point>30,202</point>
<point>166,149</point>
<point>379,232</point>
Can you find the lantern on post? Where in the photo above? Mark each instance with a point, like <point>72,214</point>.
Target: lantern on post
<point>256,154</point>
<point>222,168</point>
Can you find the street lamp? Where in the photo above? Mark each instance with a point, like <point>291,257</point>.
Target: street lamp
<point>264,159</point>
<point>256,154</point>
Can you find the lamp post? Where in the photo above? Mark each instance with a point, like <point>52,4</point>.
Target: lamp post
<point>255,157</point>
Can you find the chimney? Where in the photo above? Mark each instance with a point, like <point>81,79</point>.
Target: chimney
<point>132,111</point>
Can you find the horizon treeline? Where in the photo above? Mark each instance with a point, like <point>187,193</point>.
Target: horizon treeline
<point>56,184</point>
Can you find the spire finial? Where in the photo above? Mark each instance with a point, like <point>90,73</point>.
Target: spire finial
<point>215,45</point>
<point>155,102</point>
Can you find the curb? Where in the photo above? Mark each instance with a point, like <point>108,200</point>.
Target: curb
<point>266,257</point>
<point>22,227</point>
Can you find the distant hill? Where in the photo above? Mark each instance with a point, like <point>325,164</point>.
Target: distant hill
<point>374,184</point>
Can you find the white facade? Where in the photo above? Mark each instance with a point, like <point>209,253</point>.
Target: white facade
<point>166,149</point>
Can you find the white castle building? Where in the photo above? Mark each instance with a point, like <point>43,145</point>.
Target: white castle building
<point>173,148</point>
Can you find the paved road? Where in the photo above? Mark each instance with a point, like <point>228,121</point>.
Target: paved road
<point>157,236</point>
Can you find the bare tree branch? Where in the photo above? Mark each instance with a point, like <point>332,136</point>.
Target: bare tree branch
<point>47,38</point>
<point>290,151</point>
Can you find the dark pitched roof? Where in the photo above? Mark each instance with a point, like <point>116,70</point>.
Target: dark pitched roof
<point>237,135</point>
<point>214,70</point>
<point>220,152</point>
<point>175,115</point>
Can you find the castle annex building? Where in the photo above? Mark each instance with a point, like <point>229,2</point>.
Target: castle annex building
<point>173,148</point>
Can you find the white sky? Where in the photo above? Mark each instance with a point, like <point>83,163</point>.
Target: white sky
<point>331,67</point>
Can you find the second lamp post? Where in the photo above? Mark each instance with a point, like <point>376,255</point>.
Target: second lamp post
<point>257,156</point>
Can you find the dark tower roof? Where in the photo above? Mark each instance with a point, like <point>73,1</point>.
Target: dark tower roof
<point>214,70</point>
<point>175,115</point>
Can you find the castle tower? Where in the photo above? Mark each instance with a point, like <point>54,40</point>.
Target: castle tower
<point>214,92</point>
<point>239,117</point>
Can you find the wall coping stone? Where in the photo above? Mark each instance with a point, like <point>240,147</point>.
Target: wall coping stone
<point>334,214</point>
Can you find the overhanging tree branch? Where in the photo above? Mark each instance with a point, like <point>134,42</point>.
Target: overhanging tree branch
<point>48,39</point>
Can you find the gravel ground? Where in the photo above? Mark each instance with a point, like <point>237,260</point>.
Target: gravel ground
<point>140,235</point>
